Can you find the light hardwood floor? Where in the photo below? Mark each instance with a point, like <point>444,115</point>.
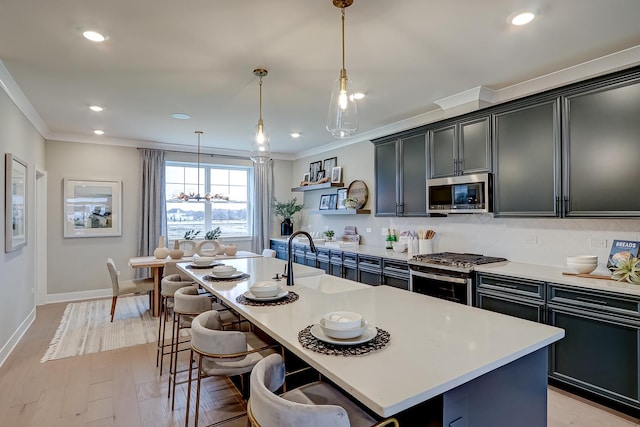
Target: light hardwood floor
<point>123,388</point>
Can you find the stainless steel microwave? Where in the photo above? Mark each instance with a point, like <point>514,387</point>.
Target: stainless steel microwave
<point>460,194</point>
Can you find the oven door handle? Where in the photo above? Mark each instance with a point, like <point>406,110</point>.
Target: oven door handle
<point>438,277</point>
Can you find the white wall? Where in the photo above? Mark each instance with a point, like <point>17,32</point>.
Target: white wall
<point>17,272</point>
<point>77,266</point>
<point>544,241</point>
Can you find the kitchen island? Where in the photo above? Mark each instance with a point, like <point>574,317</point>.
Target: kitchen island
<point>464,366</point>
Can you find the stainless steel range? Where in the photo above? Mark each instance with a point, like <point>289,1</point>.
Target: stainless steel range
<point>446,275</point>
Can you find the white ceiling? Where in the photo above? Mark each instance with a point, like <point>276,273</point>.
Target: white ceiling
<point>198,56</point>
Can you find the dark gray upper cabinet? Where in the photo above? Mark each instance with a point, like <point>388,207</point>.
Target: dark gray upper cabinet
<point>401,176</point>
<point>460,148</point>
<point>527,160</point>
<point>602,151</point>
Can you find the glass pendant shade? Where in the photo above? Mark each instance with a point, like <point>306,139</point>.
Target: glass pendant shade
<point>260,152</point>
<point>342,118</point>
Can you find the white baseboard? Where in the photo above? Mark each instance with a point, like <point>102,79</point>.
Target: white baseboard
<point>8,348</point>
<point>81,295</point>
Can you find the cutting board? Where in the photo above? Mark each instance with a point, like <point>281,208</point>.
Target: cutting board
<point>588,276</point>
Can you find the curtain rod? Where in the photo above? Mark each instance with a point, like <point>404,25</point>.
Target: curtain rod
<point>227,156</point>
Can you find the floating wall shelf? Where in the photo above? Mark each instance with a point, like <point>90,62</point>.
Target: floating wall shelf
<point>340,211</point>
<point>317,186</point>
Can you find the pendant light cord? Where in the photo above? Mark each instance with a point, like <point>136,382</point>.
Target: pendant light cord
<point>198,132</point>
<point>343,38</point>
<point>261,98</point>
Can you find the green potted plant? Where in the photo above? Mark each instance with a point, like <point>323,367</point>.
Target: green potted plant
<point>286,210</point>
<point>351,203</point>
<point>191,234</point>
<point>213,234</point>
<point>329,235</point>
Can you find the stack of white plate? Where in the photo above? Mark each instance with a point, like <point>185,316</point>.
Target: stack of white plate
<point>343,328</point>
<point>265,289</point>
<point>224,270</point>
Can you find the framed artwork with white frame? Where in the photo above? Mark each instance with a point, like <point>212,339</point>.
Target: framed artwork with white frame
<point>16,179</point>
<point>336,174</point>
<point>92,208</point>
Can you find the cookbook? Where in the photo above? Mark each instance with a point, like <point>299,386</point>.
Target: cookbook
<point>622,249</point>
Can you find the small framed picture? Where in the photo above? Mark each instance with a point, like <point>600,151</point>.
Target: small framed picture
<point>336,174</point>
<point>325,201</point>
<point>320,175</point>
<point>306,177</point>
<point>333,199</point>
<point>314,167</point>
<point>342,194</point>
<point>329,164</point>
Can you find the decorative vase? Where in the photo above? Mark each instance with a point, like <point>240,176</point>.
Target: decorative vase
<point>230,249</point>
<point>286,227</point>
<point>176,253</point>
<point>208,247</point>
<point>161,251</point>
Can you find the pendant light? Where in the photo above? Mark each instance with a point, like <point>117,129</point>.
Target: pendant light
<point>342,119</point>
<point>260,152</point>
<point>197,196</point>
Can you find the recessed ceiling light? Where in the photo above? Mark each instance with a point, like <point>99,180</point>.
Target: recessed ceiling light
<point>295,135</point>
<point>96,108</point>
<point>522,18</point>
<point>358,95</point>
<point>98,132</point>
<point>181,116</point>
<point>94,36</point>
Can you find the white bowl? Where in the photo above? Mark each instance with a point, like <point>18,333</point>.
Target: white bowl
<point>342,320</point>
<point>583,259</point>
<point>344,333</point>
<point>223,270</point>
<point>399,246</point>
<point>581,268</point>
<point>265,289</point>
<point>203,260</point>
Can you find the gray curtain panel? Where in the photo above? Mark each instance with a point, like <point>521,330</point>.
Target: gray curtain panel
<point>262,197</point>
<point>153,219</point>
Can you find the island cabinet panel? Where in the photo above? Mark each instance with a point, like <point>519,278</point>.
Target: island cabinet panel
<point>395,273</point>
<point>323,258</point>
<point>516,297</point>
<point>527,160</point>
<point>602,148</point>
<point>600,350</point>
<point>370,270</point>
<point>310,258</point>
<point>460,148</point>
<point>401,175</point>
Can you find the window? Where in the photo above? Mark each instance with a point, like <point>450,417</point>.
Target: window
<point>226,187</point>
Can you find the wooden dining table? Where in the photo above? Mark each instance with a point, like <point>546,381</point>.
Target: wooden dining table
<point>156,267</point>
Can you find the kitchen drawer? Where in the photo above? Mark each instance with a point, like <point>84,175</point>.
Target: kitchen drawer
<point>369,263</point>
<point>512,285</point>
<point>395,267</point>
<point>350,259</point>
<point>613,303</point>
<point>502,302</point>
<point>335,256</point>
<point>323,255</point>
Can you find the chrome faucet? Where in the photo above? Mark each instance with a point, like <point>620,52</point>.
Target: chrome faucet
<point>290,254</point>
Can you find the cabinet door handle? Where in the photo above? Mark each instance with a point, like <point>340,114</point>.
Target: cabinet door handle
<point>591,301</point>
<point>566,205</point>
<point>506,285</point>
<point>558,206</point>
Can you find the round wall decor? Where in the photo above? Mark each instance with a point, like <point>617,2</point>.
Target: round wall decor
<point>358,190</point>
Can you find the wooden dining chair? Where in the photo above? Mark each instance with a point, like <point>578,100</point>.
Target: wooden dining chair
<point>317,404</point>
<point>125,287</point>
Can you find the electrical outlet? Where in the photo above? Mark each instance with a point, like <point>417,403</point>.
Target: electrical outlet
<point>532,240</point>
<point>368,229</point>
<point>384,231</point>
<point>598,243</point>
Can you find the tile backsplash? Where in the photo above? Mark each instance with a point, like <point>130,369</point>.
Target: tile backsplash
<point>545,241</point>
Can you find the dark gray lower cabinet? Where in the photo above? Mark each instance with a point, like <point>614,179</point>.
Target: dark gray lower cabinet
<point>516,297</point>
<point>350,266</point>
<point>600,350</point>
<point>323,257</point>
<point>280,248</point>
<point>395,273</point>
<point>369,270</point>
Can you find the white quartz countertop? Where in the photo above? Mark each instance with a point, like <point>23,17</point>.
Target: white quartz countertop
<point>554,275</point>
<point>359,249</point>
<point>435,345</point>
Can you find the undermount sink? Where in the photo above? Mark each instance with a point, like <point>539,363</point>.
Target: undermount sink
<point>328,284</point>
